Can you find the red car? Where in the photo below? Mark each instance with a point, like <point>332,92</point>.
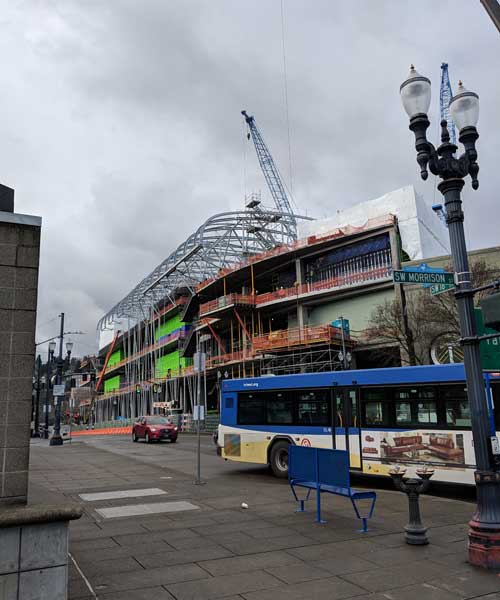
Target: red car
<point>154,427</point>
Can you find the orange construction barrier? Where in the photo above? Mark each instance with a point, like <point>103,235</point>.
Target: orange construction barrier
<point>104,431</point>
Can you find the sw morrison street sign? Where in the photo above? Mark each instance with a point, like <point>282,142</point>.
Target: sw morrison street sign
<point>420,277</point>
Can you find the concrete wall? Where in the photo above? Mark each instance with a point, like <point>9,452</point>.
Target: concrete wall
<point>33,561</point>
<point>19,255</point>
<point>355,308</point>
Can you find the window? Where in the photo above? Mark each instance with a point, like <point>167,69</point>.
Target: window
<point>313,408</point>
<point>251,409</point>
<point>415,406</point>
<point>456,407</point>
<point>374,414</point>
<point>403,413</point>
<point>280,409</point>
<point>427,413</point>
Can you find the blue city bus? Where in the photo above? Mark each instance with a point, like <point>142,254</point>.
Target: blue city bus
<point>411,416</point>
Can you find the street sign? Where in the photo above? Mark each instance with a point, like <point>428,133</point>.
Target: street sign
<point>198,412</point>
<point>490,349</point>
<point>199,361</point>
<point>160,404</point>
<point>420,277</point>
<point>439,288</point>
<point>424,268</point>
<point>58,389</point>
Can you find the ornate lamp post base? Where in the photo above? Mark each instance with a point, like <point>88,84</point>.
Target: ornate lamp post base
<point>415,532</point>
<point>484,528</point>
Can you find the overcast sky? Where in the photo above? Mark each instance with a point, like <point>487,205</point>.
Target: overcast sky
<point>121,125</point>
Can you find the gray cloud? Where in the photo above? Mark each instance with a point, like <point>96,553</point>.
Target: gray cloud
<point>121,122</point>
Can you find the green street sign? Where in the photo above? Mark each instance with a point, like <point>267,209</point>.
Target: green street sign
<point>439,288</point>
<point>420,277</point>
<point>490,349</point>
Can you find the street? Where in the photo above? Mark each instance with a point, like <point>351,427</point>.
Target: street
<point>149,532</point>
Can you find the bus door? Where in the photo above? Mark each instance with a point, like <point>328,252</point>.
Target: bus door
<point>346,425</point>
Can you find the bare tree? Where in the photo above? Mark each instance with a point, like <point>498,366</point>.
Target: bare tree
<point>428,318</point>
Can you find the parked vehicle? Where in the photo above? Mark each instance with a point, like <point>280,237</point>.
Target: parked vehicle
<point>154,428</point>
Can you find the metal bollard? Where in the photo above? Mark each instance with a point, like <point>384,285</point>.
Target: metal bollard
<point>415,532</point>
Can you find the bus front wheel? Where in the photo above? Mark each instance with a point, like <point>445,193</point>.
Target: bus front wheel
<point>279,459</point>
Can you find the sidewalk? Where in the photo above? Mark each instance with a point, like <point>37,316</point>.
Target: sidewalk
<point>216,549</point>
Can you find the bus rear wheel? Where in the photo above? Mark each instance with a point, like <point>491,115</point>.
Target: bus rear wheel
<point>279,459</point>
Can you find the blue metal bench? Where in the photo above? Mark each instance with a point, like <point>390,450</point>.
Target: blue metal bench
<point>325,470</point>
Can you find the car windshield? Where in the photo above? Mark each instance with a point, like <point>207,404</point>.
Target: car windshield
<point>158,421</point>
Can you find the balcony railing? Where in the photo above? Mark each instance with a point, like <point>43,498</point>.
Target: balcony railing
<point>274,340</point>
<point>298,336</point>
<point>163,341</point>
<point>225,301</point>
<point>332,283</point>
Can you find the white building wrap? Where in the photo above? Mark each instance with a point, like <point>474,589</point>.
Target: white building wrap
<point>423,234</point>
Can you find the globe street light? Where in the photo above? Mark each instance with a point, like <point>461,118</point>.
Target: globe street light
<point>484,533</point>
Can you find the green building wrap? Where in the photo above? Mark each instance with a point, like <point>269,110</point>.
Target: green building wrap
<point>170,361</point>
<point>111,384</point>
<point>115,357</point>
<point>168,326</point>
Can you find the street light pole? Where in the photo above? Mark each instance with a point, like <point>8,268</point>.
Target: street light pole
<point>50,358</point>
<point>484,532</point>
<point>56,439</point>
<point>36,425</point>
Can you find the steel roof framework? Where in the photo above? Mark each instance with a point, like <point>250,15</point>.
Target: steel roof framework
<point>222,241</point>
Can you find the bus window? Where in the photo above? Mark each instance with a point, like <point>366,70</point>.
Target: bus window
<point>313,408</point>
<point>403,413</point>
<point>426,412</point>
<point>279,409</point>
<point>251,409</point>
<point>456,406</point>
<point>374,414</point>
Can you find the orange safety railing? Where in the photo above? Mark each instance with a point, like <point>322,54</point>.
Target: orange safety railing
<point>325,284</point>
<point>281,338</point>
<point>225,301</point>
<point>284,338</point>
<point>151,348</point>
<point>373,223</point>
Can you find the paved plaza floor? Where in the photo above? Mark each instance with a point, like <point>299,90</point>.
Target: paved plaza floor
<point>149,532</point>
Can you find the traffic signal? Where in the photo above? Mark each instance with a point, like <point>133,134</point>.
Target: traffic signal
<point>490,306</point>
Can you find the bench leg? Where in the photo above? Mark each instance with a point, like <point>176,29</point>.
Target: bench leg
<point>365,525</point>
<point>318,507</point>
<point>301,509</point>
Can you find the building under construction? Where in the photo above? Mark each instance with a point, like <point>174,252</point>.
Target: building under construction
<point>259,292</point>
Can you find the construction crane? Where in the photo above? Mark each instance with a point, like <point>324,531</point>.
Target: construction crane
<point>270,170</point>
<point>445,96</point>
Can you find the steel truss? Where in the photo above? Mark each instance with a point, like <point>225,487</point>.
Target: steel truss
<point>222,241</point>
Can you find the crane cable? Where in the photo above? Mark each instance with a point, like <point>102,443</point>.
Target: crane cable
<point>285,94</point>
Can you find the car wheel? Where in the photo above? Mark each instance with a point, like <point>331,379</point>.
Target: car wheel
<point>134,436</point>
<point>279,459</point>
<point>172,441</point>
<point>146,438</point>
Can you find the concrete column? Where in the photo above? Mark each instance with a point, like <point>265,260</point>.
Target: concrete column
<point>19,252</point>
<point>33,538</point>
<point>299,278</point>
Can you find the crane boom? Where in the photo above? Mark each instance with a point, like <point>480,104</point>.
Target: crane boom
<point>445,96</point>
<point>269,169</point>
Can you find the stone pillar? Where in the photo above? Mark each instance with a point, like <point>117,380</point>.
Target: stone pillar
<point>33,537</point>
<point>19,252</point>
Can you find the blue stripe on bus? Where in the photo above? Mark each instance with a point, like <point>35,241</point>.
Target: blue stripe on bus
<point>314,430</point>
<point>392,376</point>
